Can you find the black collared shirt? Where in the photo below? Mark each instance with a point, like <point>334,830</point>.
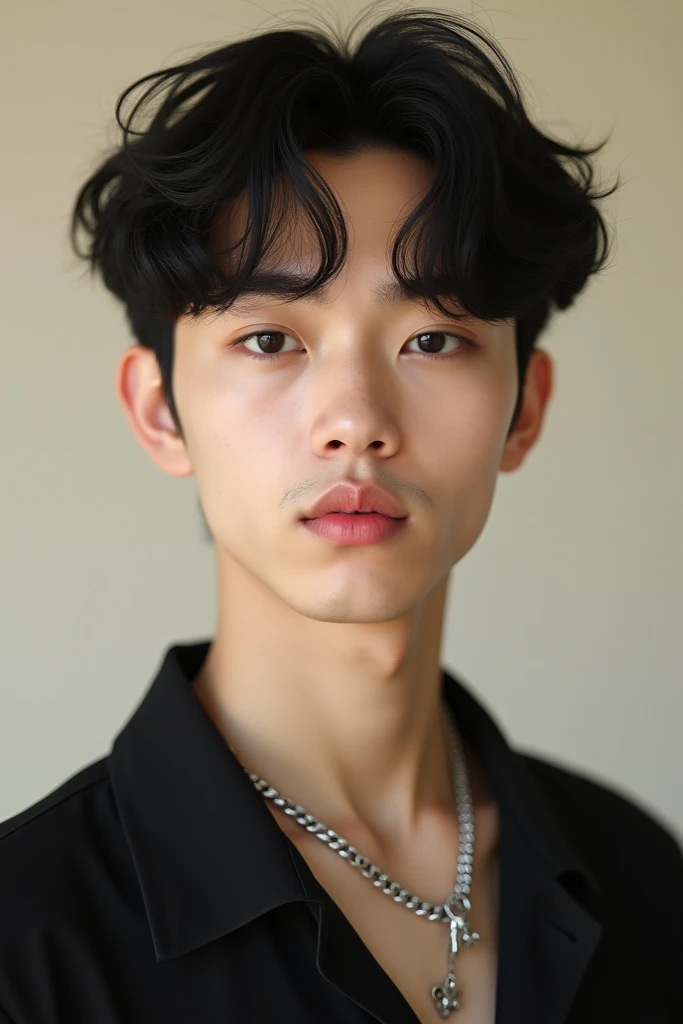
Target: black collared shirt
<point>155,887</point>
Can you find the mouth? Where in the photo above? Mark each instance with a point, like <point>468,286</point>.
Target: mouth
<point>359,500</point>
<point>350,529</point>
<point>340,513</point>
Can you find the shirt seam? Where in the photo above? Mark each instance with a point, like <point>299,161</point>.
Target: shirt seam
<point>57,803</point>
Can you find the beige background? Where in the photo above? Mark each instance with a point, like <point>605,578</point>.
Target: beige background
<point>566,617</point>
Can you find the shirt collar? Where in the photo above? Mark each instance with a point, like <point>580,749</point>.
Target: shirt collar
<point>209,855</point>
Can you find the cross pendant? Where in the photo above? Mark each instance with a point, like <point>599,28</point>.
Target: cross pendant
<point>445,995</point>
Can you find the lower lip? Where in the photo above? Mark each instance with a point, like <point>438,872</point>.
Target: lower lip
<point>343,528</point>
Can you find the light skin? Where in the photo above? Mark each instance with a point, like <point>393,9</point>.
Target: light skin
<point>324,671</point>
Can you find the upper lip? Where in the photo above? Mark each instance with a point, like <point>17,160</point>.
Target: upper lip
<point>346,497</point>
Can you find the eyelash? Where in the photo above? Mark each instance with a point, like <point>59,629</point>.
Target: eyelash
<point>264,356</point>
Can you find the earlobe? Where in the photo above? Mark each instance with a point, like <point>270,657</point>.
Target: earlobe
<point>138,389</point>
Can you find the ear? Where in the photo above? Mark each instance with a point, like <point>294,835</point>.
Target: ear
<point>139,390</point>
<point>538,388</point>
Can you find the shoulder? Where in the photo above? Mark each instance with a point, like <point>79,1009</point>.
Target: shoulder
<point>39,816</point>
<point>66,879</point>
<point>613,830</point>
<point>49,847</point>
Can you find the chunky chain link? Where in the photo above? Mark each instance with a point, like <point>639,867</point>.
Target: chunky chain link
<point>463,882</point>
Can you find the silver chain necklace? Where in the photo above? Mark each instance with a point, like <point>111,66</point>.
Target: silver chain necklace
<point>455,909</point>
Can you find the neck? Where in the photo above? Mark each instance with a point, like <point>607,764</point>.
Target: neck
<point>345,719</point>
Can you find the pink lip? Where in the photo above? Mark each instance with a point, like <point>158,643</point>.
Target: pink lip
<point>345,496</point>
<point>352,530</point>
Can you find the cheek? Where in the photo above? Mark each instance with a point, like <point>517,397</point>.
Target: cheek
<point>471,430</point>
<point>471,424</point>
<point>238,457</point>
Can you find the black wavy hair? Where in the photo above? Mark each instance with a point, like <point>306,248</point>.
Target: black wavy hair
<point>509,226</point>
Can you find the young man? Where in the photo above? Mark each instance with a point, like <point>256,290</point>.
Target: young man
<point>346,439</point>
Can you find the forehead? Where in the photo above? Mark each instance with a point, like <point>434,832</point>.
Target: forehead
<point>375,191</point>
<point>383,293</point>
<point>273,283</point>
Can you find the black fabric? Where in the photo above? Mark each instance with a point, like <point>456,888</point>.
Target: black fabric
<point>154,887</point>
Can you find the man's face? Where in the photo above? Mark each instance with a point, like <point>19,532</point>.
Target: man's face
<point>351,391</point>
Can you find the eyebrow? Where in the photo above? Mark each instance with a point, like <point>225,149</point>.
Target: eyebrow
<point>267,284</point>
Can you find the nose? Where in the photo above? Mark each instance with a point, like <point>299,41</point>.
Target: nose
<point>355,411</point>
